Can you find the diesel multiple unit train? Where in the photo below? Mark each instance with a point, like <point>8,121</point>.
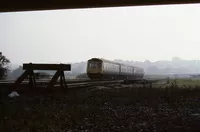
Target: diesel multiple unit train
<point>105,69</point>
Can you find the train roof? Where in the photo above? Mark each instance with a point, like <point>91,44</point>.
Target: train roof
<point>105,60</point>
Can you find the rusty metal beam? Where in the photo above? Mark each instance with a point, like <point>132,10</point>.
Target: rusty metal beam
<point>32,5</point>
<point>63,67</point>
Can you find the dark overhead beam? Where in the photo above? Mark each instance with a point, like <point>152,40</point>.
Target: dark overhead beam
<point>33,5</point>
<point>30,66</point>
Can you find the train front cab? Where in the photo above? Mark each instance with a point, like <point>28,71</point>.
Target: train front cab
<point>94,69</point>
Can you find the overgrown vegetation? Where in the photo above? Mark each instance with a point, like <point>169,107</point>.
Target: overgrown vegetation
<point>110,108</point>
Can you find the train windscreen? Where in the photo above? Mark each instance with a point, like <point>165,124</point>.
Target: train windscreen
<point>93,65</point>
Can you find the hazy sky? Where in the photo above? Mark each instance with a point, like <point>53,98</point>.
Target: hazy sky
<point>129,33</point>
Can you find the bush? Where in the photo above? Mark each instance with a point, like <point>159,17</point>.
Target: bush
<point>3,66</point>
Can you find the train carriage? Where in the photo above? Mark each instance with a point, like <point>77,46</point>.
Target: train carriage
<point>102,69</point>
<point>105,69</point>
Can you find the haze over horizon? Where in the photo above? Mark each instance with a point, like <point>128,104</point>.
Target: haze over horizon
<point>128,33</point>
<point>15,65</point>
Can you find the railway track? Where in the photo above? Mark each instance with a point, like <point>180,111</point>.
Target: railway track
<point>70,83</point>
<point>47,80</point>
<point>88,81</point>
<point>78,83</point>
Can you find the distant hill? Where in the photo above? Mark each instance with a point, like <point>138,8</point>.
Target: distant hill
<point>161,67</point>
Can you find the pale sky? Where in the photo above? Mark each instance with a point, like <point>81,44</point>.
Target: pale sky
<point>128,33</point>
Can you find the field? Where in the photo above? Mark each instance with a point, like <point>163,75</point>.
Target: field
<point>186,82</point>
<point>106,108</point>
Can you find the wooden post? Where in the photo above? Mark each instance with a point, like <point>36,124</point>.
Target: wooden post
<point>64,82</point>
<point>30,79</point>
<point>29,68</point>
<point>54,79</point>
<point>61,79</point>
<point>20,79</point>
<point>58,74</point>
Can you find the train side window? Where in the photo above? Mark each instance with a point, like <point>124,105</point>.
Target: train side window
<point>105,66</point>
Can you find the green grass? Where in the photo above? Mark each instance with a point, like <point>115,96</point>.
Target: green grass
<point>155,76</point>
<point>187,82</point>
